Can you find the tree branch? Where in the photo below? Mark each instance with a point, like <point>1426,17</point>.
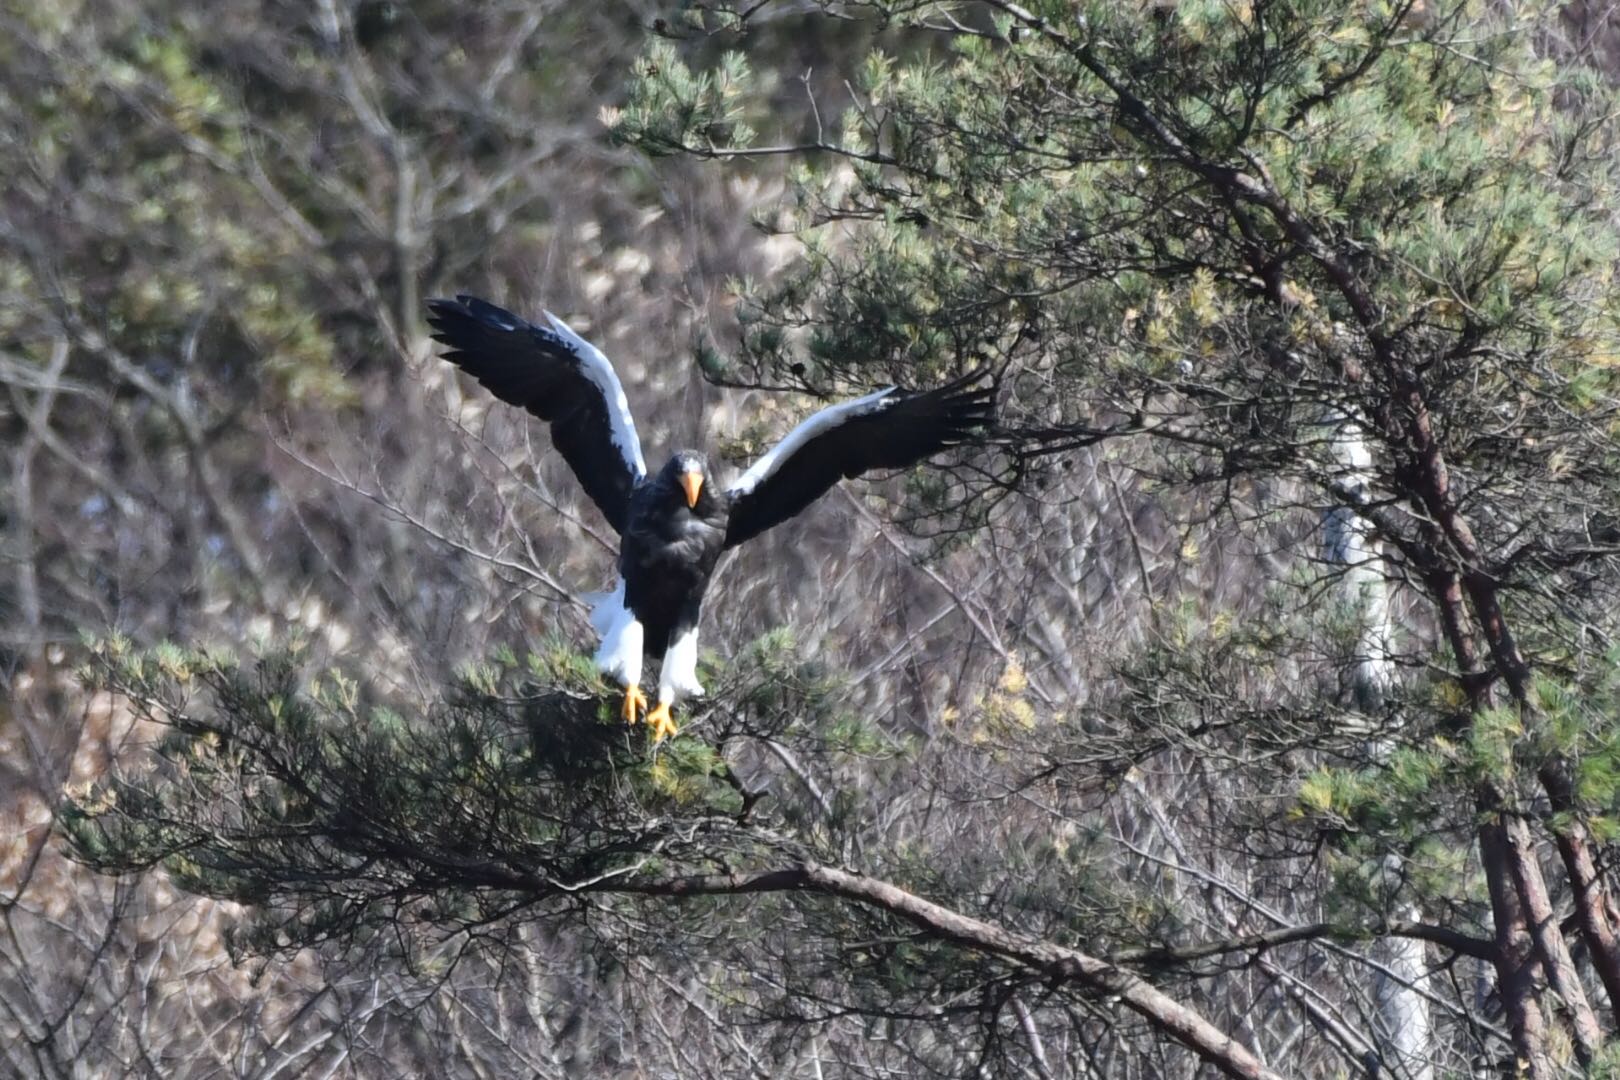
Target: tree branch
<point>1056,962</point>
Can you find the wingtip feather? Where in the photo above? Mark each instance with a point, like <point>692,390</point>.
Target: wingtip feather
<point>970,400</point>
<point>445,313</point>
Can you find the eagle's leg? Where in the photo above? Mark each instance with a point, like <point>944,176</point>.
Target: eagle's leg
<point>676,678</point>
<point>659,720</point>
<point>619,655</point>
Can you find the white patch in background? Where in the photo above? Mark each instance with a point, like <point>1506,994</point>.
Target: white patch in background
<point>818,424</point>
<point>619,655</point>
<point>597,369</point>
<point>678,677</point>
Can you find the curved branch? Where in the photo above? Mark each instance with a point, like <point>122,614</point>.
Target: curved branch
<point>1056,962</point>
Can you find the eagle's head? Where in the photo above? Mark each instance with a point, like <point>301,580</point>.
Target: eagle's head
<point>686,475</point>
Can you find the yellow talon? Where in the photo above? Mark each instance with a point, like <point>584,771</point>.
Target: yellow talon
<point>634,700</point>
<point>662,726</point>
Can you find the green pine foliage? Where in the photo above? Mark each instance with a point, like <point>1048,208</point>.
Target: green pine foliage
<point>346,818</point>
<point>337,810</point>
<point>995,200</point>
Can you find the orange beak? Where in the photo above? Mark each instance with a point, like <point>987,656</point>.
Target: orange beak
<point>693,483</point>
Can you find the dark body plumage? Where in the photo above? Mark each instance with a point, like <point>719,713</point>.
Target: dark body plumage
<point>668,552</point>
<point>675,525</point>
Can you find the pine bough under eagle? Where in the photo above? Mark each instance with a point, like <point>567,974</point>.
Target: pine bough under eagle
<point>674,525</point>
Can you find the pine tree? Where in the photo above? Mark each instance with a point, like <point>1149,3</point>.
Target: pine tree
<point>1198,229</point>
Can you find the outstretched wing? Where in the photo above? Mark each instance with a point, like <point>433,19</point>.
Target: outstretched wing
<point>889,429</point>
<point>561,378</point>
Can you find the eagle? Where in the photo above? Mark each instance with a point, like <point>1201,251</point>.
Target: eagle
<point>675,524</point>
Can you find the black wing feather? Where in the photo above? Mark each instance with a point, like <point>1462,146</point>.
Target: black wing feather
<point>899,430</point>
<point>539,369</point>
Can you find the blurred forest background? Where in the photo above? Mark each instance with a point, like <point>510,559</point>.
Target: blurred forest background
<point>1184,673</point>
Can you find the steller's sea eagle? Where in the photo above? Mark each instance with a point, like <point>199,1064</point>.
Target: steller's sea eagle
<point>674,525</point>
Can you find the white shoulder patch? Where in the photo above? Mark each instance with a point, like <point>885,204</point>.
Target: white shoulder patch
<point>600,371</point>
<point>817,424</point>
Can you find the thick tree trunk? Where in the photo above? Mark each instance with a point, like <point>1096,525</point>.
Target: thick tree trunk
<point>1518,971</point>
<point>1542,923</point>
<point>1594,911</point>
